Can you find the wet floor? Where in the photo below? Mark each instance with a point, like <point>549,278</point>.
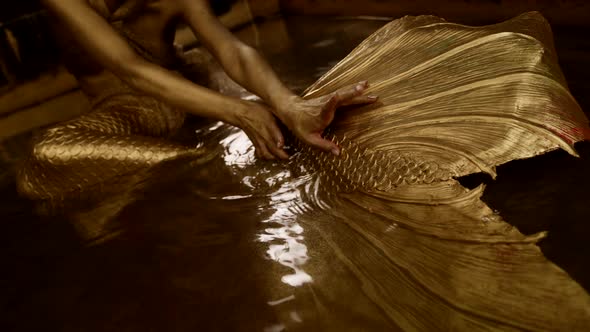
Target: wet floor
<point>222,247</point>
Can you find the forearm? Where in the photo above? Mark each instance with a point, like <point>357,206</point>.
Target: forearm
<point>241,62</point>
<point>249,69</point>
<point>109,49</point>
<point>181,93</point>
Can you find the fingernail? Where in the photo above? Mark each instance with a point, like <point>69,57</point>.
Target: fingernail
<point>336,151</point>
<point>372,97</point>
<point>279,144</point>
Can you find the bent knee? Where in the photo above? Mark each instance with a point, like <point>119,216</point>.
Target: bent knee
<point>32,175</point>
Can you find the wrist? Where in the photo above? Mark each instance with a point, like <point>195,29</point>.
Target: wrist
<point>284,105</point>
<point>235,113</point>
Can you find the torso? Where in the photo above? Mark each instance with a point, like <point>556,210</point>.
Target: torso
<point>149,27</point>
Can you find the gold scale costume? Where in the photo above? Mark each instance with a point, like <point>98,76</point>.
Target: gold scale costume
<point>123,133</point>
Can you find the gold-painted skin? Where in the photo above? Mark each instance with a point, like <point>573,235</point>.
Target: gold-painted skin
<point>125,131</point>
<point>425,254</point>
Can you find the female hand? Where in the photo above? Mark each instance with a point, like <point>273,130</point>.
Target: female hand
<point>307,119</point>
<point>259,123</point>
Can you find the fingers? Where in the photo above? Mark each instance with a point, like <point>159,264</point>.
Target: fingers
<point>360,100</point>
<point>319,142</point>
<point>351,95</point>
<point>276,142</point>
<point>269,151</point>
<point>351,92</point>
<point>276,151</point>
<point>262,150</point>
<point>270,145</point>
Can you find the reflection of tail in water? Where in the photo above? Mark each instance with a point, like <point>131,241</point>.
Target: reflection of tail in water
<point>450,265</point>
<point>454,100</point>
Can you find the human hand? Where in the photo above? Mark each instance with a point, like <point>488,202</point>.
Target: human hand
<point>259,123</point>
<point>307,119</point>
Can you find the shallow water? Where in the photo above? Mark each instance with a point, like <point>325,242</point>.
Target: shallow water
<point>242,244</point>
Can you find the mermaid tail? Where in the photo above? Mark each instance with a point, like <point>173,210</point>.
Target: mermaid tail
<point>92,155</point>
<point>426,252</point>
<point>395,241</point>
<point>456,99</point>
<point>448,265</point>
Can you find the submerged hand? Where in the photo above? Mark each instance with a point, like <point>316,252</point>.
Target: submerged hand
<point>308,118</point>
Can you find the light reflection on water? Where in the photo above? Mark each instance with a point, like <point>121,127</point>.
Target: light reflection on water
<point>239,151</point>
<point>275,195</point>
<point>284,235</point>
<point>290,251</point>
